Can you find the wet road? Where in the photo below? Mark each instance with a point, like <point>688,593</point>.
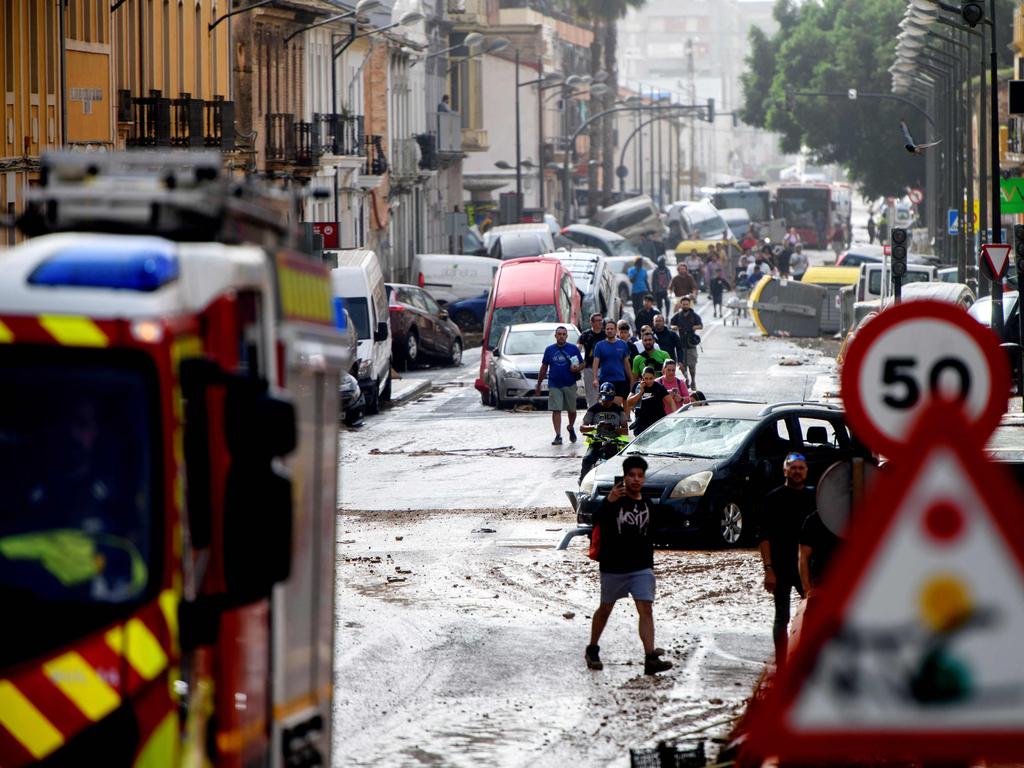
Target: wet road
<point>461,628</point>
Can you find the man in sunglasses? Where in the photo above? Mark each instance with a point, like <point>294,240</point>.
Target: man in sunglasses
<point>785,510</point>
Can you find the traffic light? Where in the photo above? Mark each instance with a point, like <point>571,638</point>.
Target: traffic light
<point>1018,246</point>
<point>973,13</point>
<point>711,110</point>
<point>899,252</point>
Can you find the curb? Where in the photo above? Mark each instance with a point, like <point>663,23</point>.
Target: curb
<point>405,394</point>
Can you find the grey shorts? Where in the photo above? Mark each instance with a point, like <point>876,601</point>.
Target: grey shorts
<point>562,398</point>
<point>689,357</point>
<point>639,584</point>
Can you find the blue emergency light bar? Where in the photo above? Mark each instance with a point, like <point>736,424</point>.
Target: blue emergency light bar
<point>129,266</point>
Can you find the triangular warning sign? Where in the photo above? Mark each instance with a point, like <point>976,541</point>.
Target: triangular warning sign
<point>913,648</point>
<point>996,256</point>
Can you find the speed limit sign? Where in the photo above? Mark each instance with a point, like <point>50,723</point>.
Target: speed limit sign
<point>913,354</point>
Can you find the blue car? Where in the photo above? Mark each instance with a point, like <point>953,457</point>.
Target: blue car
<point>468,314</point>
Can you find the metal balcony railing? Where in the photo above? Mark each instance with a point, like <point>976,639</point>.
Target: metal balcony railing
<point>187,122</point>
<point>150,117</point>
<point>307,153</point>
<point>376,161</point>
<point>184,122</point>
<point>405,158</point>
<point>339,134</point>
<point>219,124</point>
<point>280,137</point>
<point>449,132</point>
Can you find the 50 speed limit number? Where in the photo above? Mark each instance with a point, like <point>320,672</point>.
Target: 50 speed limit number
<point>913,354</point>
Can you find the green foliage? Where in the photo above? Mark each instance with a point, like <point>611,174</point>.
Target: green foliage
<point>835,45</point>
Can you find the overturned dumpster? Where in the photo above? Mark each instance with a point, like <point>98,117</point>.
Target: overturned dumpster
<point>787,307</point>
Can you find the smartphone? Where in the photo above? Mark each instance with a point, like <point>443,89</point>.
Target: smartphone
<point>617,480</point>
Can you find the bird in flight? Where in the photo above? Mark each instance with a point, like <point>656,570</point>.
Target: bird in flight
<point>909,145</point>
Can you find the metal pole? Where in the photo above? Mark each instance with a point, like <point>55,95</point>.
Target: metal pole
<point>997,285</point>
<point>640,150</point>
<point>983,158</point>
<point>61,5</point>
<point>519,158</point>
<point>653,149</point>
<point>540,133</point>
<point>962,271</point>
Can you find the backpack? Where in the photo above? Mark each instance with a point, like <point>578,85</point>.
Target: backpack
<point>594,553</point>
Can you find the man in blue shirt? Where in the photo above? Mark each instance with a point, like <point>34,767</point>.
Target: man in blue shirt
<point>611,358</point>
<point>640,286</point>
<point>560,364</point>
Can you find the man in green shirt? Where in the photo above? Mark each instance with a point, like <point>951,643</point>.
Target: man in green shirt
<point>655,358</point>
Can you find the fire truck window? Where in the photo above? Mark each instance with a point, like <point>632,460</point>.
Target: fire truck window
<point>77,466</point>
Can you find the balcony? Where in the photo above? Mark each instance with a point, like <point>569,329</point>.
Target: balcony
<point>449,133</point>
<point>376,160</point>
<point>183,123</point>
<point>405,159</point>
<point>474,140</point>
<point>290,141</point>
<point>339,135</point>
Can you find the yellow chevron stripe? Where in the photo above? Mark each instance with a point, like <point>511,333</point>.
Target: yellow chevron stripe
<point>162,747</point>
<point>6,337</point>
<point>136,643</point>
<point>74,331</point>
<point>80,682</point>
<point>26,723</point>
<point>169,606</point>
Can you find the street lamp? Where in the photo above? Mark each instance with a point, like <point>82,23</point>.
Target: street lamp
<point>545,81</point>
<point>472,40</point>
<point>362,8</point>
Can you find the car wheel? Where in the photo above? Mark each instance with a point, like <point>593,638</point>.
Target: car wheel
<point>373,400</point>
<point>465,319</point>
<point>498,402</point>
<point>455,358</point>
<point>731,525</point>
<point>385,394</point>
<point>412,350</point>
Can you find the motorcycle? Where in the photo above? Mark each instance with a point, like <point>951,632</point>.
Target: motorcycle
<point>601,446</point>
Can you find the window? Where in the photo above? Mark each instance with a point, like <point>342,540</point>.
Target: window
<point>9,22</point>
<point>101,30</point>
<point>773,440</point>
<point>359,312</point>
<point>87,21</point>
<point>429,303</point>
<point>33,46</point>
<point>72,24</point>
<point>165,45</point>
<point>51,86</point>
<point>198,62</point>
<point>822,433</point>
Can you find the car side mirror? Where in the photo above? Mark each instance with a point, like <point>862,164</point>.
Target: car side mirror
<point>495,352</point>
<point>381,334</point>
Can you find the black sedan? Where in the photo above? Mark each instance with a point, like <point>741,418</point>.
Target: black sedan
<point>420,328</point>
<point>709,465</point>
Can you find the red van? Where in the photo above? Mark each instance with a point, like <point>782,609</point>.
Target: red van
<point>531,290</point>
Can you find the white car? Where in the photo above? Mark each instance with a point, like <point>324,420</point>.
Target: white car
<point>512,370</point>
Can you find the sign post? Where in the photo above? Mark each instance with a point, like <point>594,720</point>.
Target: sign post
<point>908,650</point>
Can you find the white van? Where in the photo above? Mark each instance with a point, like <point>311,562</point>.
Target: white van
<point>359,282</point>
<point>870,285</point>
<point>451,278</point>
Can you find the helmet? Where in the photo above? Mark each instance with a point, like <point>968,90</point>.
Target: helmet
<point>607,391</point>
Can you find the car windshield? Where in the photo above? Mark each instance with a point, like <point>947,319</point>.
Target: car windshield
<point>360,314</point>
<point>534,342</point>
<point>520,246</point>
<point>503,317</point>
<point>623,248</point>
<point>705,437</point>
<point>755,202</point>
<point>705,221</point>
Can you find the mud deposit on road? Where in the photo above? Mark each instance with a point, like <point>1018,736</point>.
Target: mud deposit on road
<point>461,636</point>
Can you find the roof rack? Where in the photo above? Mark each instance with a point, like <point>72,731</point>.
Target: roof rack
<point>797,403</point>
<point>185,196</point>
<point>700,403</point>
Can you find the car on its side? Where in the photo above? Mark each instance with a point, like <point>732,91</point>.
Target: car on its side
<point>513,367</point>
<point>711,464</point>
<point>468,314</point>
<point>518,241</point>
<point>420,328</point>
<point>608,242</point>
<point>738,220</point>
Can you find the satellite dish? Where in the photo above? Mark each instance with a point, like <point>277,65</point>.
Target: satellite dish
<point>835,494</point>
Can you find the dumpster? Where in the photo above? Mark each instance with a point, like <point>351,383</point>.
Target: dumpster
<point>786,307</point>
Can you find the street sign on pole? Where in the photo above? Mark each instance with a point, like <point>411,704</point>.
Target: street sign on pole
<point>995,260</point>
<point>953,221</point>
<point>911,651</point>
<point>912,355</point>
<point>916,196</point>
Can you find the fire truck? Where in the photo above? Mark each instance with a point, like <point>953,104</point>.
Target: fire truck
<point>169,365</point>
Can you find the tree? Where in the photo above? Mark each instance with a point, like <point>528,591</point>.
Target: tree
<point>835,45</point>
<point>604,14</point>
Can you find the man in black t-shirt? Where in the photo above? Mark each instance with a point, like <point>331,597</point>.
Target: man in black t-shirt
<point>627,562</point>
<point>782,518</point>
<point>687,322</point>
<point>817,546</point>
<point>587,341</point>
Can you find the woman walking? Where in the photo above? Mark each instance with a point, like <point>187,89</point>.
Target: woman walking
<point>678,392</point>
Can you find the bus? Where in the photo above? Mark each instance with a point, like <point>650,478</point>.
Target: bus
<point>808,207</point>
<point>756,201</point>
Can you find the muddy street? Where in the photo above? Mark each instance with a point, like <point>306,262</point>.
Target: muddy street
<point>461,626</point>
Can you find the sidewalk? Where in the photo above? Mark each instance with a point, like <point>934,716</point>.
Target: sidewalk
<point>405,389</point>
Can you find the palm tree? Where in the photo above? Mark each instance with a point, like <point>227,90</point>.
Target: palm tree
<point>604,14</point>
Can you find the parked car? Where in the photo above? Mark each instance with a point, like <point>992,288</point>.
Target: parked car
<point>594,280</point>
<point>859,254</point>
<point>451,277</point>
<point>359,283</point>
<point>526,291</point>
<point>738,220</point>
<point>420,328</point>
<point>517,241</point>
<point>512,370</point>
<point>710,465</point>
<point>632,218</point>
<point>869,282</point>
<point>468,314</point>
<point>353,403</point>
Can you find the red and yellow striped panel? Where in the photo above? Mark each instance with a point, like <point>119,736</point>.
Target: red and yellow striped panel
<point>44,705</point>
<point>304,290</point>
<point>65,330</point>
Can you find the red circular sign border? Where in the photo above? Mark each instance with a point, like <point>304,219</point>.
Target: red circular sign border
<point>862,425</point>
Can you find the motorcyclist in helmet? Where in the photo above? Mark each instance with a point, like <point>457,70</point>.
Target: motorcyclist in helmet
<point>606,426</point>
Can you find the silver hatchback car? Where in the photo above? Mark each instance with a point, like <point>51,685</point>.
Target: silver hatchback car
<point>513,368</point>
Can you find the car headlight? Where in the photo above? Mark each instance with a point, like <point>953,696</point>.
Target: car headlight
<point>511,372</point>
<point>364,368</point>
<point>694,485</point>
<point>587,484</point>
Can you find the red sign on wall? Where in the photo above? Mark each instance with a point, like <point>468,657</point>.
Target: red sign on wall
<point>328,230</point>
